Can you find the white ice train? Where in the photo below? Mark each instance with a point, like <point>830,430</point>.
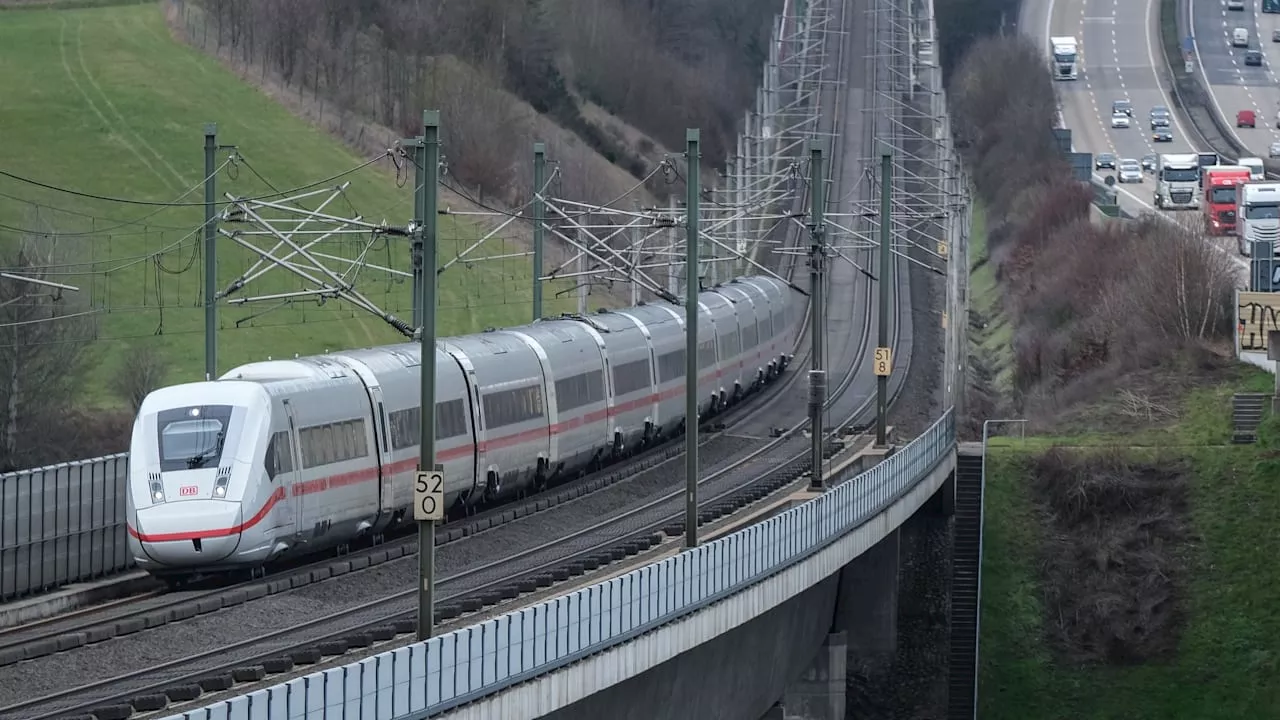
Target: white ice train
<point>288,457</point>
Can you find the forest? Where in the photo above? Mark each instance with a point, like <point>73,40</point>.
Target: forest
<point>499,70</point>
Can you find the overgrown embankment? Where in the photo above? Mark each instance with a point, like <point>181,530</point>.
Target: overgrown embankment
<point>1081,305</point>
<point>1133,575</point>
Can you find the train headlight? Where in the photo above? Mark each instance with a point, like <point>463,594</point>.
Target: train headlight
<point>157,492</point>
<point>220,487</point>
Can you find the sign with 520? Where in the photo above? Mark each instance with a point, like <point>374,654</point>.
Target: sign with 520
<point>428,495</point>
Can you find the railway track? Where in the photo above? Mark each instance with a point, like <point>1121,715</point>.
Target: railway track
<point>740,483</point>
<point>772,465</point>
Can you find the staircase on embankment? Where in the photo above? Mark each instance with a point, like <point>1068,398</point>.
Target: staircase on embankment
<point>1246,416</point>
<point>965,564</point>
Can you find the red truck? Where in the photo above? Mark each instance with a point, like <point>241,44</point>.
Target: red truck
<point>1219,185</point>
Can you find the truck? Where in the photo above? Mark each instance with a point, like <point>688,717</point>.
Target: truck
<point>1065,51</point>
<point>1257,171</point>
<point>1178,181</point>
<point>1271,6</point>
<point>1207,159</point>
<point>1220,183</point>
<point>1257,215</point>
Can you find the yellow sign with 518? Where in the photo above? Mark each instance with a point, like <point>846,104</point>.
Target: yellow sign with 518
<point>883,361</point>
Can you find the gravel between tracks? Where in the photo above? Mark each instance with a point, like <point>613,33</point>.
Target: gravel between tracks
<point>123,654</point>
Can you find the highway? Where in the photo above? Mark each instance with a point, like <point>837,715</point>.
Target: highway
<point>1119,51</point>
<point>1233,85</point>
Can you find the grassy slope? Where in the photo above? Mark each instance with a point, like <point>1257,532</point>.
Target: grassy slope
<point>104,101</point>
<point>993,343</point>
<point>1230,652</point>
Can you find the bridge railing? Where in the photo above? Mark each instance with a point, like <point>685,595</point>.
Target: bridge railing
<point>433,676</point>
<point>62,523</point>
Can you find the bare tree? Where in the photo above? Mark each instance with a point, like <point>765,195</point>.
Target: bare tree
<point>144,369</point>
<point>43,332</point>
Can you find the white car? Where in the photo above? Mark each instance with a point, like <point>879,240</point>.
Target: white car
<point>1240,38</point>
<point>1235,5</point>
<point>1119,120</point>
<point>1130,171</point>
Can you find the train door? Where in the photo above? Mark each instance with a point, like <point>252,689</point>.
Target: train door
<point>381,444</point>
<point>293,503</point>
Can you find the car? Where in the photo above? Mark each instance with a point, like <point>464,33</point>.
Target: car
<point>1122,106</point>
<point>1162,135</point>
<point>1275,36</point>
<point>1130,171</point>
<point>1120,120</point>
<point>1235,5</point>
<point>1149,163</point>
<point>1253,58</point>
<point>1274,151</point>
<point>1104,160</point>
<point>1159,121</point>
<point>1240,37</point>
<point>1246,118</point>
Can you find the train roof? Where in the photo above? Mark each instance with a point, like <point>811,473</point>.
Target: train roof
<point>218,392</point>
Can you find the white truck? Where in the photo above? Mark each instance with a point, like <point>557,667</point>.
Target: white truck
<point>1065,52</point>
<point>1257,171</point>
<point>1257,215</point>
<point>1178,182</point>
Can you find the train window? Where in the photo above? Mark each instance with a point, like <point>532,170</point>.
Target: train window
<point>328,445</point>
<point>513,406</point>
<point>706,354</point>
<point>631,377</point>
<point>729,345</point>
<point>451,419</point>
<point>406,428</point>
<point>671,366</point>
<point>763,331</point>
<point>279,455</point>
<point>362,443</point>
<point>582,389</point>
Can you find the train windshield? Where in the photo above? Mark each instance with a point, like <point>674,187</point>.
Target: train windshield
<point>192,437</point>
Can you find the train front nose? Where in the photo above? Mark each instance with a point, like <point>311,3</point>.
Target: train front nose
<point>186,533</point>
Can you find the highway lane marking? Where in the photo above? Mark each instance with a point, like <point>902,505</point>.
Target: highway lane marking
<point>1204,75</point>
<point>1120,190</point>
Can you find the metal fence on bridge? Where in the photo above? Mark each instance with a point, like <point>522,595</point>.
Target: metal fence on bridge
<point>62,523</point>
<point>447,671</point>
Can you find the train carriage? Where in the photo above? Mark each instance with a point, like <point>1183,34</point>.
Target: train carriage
<point>774,325</point>
<point>742,365</point>
<point>513,439</point>
<point>573,359</point>
<point>663,328</point>
<point>392,376</point>
<point>723,331</point>
<point>633,408</point>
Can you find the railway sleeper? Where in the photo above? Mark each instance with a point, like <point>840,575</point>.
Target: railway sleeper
<point>217,682</point>
<point>283,664</point>
<point>151,702</point>
<point>112,712</point>
<point>249,673</point>
<point>183,693</point>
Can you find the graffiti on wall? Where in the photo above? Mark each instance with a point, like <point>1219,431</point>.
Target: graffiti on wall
<point>1256,314</point>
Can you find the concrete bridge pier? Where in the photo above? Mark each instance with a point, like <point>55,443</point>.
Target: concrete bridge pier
<point>867,606</point>
<point>819,694</point>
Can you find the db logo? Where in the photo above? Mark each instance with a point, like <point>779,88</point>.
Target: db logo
<point>188,490</point>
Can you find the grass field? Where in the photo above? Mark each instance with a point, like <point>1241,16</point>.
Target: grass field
<point>1227,664</point>
<point>103,101</point>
